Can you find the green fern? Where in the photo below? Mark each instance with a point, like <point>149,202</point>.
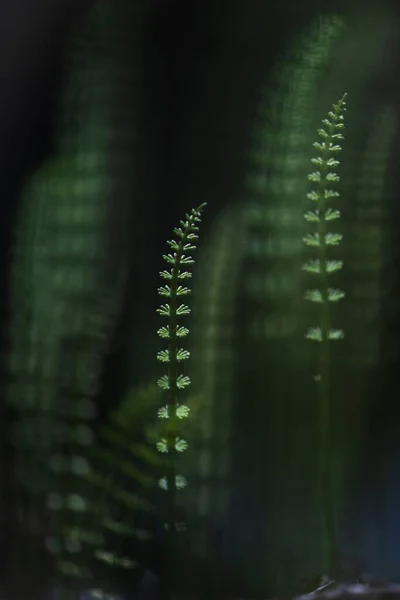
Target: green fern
<point>174,382</point>
<point>322,268</point>
<point>119,491</point>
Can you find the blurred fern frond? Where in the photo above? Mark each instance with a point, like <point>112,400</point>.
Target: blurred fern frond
<point>118,490</point>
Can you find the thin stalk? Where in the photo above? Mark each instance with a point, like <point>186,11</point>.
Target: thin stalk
<point>324,295</point>
<point>174,382</point>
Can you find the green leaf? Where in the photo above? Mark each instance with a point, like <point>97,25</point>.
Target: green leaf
<point>319,161</point>
<point>315,177</point>
<point>165,291</point>
<point>313,296</point>
<point>322,133</point>
<point>180,482</point>
<point>186,260</point>
<point>163,382</point>
<point>182,290</point>
<point>314,334</point>
<point>332,177</point>
<point>163,412</point>
<point>333,265</point>
<point>323,147</point>
<point>162,446</point>
<point>189,247</point>
<point>314,196</point>
<point>335,334</point>
<point>170,258</point>
<point>166,274</point>
<point>312,216</point>
<point>331,215</point>
<point>311,239</point>
<point>312,266</point>
<point>163,356</point>
<point>333,148</point>
<point>319,146</point>
<point>163,332</point>
<point>335,294</point>
<point>182,382</point>
<point>179,232</point>
<point>184,275</point>
<point>182,331</point>
<point>180,444</point>
<point>333,239</point>
<point>164,310</point>
<point>173,244</point>
<point>329,194</point>
<point>163,483</point>
<point>332,162</point>
<point>182,411</point>
<point>104,556</point>
<point>182,354</point>
<point>183,309</point>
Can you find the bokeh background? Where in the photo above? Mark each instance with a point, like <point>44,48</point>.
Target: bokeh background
<point>116,119</point>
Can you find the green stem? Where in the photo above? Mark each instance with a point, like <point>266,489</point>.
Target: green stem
<point>170,547</point>
<point>325,470</point>
<point>173,383</point>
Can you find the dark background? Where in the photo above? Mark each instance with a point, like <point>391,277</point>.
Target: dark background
<point>194,57</point>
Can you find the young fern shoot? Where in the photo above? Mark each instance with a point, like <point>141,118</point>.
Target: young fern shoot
<point>322,268</point>
<point>174,381</point>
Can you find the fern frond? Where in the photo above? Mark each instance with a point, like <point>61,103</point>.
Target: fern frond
<point>323,239</point>
<point>173,382</point>
<point>321,268</point>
